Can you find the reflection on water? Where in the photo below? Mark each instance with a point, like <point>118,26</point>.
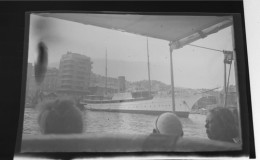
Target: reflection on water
<point>109,122</point>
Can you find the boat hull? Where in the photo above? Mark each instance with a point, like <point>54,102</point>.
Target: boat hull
<point>182,114</point>
<point>116,101</point>
<point>154,106</point>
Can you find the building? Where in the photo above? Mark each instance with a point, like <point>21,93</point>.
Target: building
<point>98,86</point>
<point>74,76</point>
<point>50,82</point>
<point>121,84</point>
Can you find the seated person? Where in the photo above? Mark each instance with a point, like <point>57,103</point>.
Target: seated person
<point>168,129</point>
<point>168,124</point>
<point>221,125</point>
<point>60,117</point>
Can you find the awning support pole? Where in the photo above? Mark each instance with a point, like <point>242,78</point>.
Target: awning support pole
<point>106,75</point>
<point>225,85</point>
<point>172,46</point>
<point>148,63</point>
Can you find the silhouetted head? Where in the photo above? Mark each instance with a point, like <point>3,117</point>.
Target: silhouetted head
<point>221,124</point>
<point>60,117</point>
<point>168,124</point>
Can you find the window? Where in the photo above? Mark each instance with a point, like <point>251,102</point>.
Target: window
<point>142,73</point>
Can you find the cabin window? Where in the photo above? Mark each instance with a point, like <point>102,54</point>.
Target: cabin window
<point>132,77</point>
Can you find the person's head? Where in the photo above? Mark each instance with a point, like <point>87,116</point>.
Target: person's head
<point>168,124</point>
<point>60,117</point>
<point>221,125</point>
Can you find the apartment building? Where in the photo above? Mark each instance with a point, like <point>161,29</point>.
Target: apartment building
<point>74,76</point>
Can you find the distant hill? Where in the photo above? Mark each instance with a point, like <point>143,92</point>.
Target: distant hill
<point>155,85</point>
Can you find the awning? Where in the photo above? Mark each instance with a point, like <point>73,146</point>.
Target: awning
<point>179,30</point>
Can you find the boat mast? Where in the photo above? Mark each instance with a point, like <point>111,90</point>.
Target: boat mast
<point>148,68</point>
<point>172,80</point>
<point>225,83</point>
<point>106,73</point>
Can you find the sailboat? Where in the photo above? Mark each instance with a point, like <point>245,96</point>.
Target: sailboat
<point>130,102</point>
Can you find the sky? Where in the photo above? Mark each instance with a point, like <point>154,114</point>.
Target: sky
<point>127,53</point>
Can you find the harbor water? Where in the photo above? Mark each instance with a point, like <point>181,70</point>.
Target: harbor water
<point>112,122</point>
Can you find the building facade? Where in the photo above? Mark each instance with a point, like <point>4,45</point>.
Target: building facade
<point>121,84</point>
<point>50,82</point>
<point>74,75</point>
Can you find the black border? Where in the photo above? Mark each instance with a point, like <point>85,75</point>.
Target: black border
<point>13,30</point>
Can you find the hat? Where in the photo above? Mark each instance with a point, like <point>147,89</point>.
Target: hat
<point>169,124</point>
